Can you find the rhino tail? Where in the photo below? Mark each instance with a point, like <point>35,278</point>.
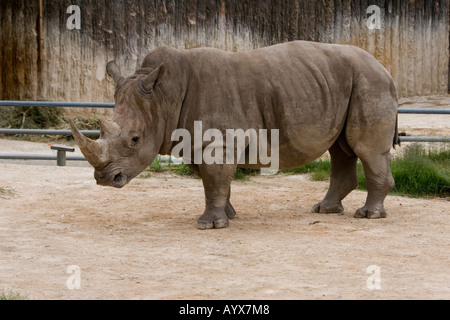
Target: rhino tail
<point>396,141</point>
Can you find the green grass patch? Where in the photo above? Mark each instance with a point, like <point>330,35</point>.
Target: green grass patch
<point>11,295</point>
<point>159,166</point>
<point>182,169</point>
<point>418,173</point>
<point>421,172</point>
<point>156,165</point>
<point>244,174</point>
<point>320,170</point>
<point>7,192</point>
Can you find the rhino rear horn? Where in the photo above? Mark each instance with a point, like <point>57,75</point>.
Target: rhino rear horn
<point>113,70</point>
<point>93,151</point>
<point>109,129</point>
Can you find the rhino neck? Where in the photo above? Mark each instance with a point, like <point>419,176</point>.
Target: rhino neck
<point>172,93</point>
<point>167,121</point>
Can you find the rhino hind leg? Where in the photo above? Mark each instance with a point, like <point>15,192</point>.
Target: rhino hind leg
<point>371,129</point>
<point>343,178</point>
<point>379,182</point>
<point>218,209</point>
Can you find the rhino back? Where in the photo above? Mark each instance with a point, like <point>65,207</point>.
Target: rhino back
<point>301,88</point>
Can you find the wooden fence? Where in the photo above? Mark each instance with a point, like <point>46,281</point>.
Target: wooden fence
<point>40,58</point>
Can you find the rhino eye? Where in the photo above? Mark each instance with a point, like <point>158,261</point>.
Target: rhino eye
<point>134,141</point>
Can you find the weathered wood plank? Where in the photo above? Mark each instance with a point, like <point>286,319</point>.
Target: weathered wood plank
<point>410,30</point>
<point>403,50</point>
<point>355,24</point>
<point>434,57</point>
<point>345,34</point>
<point>387,35</point>
<point>395,41</point>
<point>443,36</point>
<point>412,42</point>
<point>427,49</point>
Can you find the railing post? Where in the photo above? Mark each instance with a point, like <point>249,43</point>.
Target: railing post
<point>61,154</point>
<point>61,158</point>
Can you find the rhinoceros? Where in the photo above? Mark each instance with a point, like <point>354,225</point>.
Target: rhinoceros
<point>318,96</point>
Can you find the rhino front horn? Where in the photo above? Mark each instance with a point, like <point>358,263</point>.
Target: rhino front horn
<point>93,151</point>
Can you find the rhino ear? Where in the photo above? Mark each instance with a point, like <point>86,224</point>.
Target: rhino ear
<point>113,70</point>
<point>147,84</point>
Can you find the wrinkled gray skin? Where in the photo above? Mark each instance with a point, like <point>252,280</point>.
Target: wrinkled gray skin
<point>320,96</point>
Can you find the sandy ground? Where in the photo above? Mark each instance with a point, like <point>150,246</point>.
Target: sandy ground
<point>141,242</point>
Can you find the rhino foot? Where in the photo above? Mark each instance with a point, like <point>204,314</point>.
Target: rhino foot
<point>323,207</point>
<point>210,220</point>
<point>370,213</point>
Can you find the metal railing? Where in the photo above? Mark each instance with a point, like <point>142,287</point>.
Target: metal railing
<point>424,111</point>
<point>24,156</point>
<point>96,133</point>
<point>93,133</point>
<point>13,103</point>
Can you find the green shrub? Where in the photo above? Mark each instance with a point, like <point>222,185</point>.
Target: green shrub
<point>84,123</point>
<point>418,172</point>
<point>422,173</point>
<point>5,116</point>
<point>41,118</point>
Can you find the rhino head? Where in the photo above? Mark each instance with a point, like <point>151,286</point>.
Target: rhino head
<point>132,139</point>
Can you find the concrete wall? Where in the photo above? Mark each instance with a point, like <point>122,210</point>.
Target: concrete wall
<point>45,60</point>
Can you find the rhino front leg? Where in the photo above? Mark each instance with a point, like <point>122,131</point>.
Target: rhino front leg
<point>229,210</point>
<point>216,182</point>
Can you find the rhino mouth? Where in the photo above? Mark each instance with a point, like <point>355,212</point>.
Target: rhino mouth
<point>120,180</point>
<point>117,180</point>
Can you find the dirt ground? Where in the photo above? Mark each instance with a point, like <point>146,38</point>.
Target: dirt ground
<point>141,242</point>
